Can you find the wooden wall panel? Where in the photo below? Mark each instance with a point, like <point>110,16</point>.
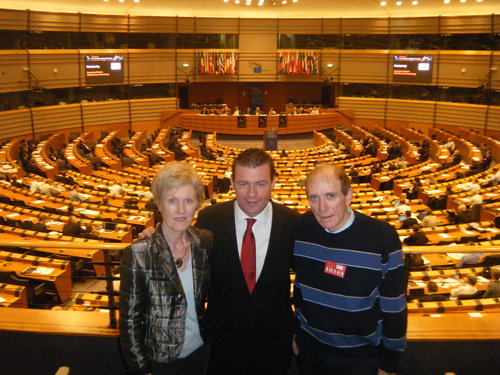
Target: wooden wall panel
<point>14,71</point>
<point>11,19</point>
<point>152,66</point>
<point>493,123</point>
<point>56,118</point>
<point>15,123</point>
<point>364,107</point>
<point>365,25</point>
<point>299,26</point>
<point>466,24</point>
<point>150,109</point>
<point>48,21</point>
<point>55,68</point>
<point>217,25</point>
<point>463,115</point>
<point>495,72</point>
<point>414,25</point>
<point>104,23</point>
<point>411,111</point>
<point>463,68</point>
<point>331,25</point>
<point>102,113</point>
<point>147,24</point>
<point>258,25</point>
<point>185,25</point>
<point>363,66</point>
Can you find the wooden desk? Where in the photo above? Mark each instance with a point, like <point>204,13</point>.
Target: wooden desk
<point>453,327</point>
<point>60,273</point>
<point>14,296</point>
<point>229,124</point>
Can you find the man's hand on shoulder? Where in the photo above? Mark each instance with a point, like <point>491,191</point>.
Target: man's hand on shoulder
<point>146,233</point>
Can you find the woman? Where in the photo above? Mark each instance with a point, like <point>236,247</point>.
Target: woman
<point>164,282</point>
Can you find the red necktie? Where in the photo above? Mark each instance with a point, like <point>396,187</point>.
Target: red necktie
<point>248,255</point>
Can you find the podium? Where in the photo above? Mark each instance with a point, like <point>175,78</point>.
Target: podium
<point>271,140</point>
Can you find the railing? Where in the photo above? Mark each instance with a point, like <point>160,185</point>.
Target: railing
<point>110,292</point>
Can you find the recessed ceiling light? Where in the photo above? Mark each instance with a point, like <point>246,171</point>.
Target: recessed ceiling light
<point>414,2</point>
<point>446,1</point>
<point>399,2</point>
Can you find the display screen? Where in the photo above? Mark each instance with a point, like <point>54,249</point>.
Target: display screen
<point>104,69</point>
<point>412,69</point>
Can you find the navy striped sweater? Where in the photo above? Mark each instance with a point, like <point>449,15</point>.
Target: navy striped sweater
<point>350,289</point>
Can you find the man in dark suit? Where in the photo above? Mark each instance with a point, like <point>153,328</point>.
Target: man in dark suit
<point>250,328</point>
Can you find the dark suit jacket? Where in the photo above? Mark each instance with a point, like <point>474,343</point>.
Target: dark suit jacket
<point>416,239</point>
<point>259,324</point>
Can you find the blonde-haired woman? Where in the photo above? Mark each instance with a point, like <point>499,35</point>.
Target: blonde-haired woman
<point>164,282</point>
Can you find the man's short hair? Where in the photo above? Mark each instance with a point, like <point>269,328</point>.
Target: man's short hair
<point>432,286</point>
<point>471,278</point>
<point>253,158</point>
<point>338,172</point>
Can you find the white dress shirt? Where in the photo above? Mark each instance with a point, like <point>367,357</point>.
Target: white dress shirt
<point>261,231</point>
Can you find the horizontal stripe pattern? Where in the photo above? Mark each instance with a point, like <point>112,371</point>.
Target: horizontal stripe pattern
<point>338,301</point>
<point>345,257</point>
<point>340,340</point>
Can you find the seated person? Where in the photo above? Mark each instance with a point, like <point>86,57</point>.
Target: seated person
<point>468,259</point>
<point>463,215</point>
<point>493,289</point>
<point>432,294</point>
<point>429,220</point>
<point>131,203</point>
<point>418,238</point>
<point>409,221</point>
<point>467,288</point>
<point>402,207</point>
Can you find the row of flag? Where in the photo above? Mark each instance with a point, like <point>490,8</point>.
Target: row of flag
<point>217,63</point>
<point>305,62</point>
<point>290,63</point>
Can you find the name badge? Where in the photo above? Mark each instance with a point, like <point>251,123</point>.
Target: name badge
<point>335,269</point>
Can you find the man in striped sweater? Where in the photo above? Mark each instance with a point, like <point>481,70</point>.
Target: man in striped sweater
<point>350,284</point>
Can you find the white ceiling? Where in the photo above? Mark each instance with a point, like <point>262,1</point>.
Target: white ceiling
<point>302,9</point>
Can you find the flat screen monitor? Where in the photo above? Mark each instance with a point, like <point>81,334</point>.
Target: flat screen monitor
<point>417,69</point>
<point>104,69</point>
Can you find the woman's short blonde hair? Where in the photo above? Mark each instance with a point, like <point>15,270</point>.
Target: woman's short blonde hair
<point>174,175</point>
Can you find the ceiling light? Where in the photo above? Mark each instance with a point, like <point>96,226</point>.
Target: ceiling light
<point>463,1</point>
<point>121,1</point>
<point>383,3</point>
<point>414,2</point>
<point>137,1</point>
<point>399,3</point>
<point>329,65</point>
<point>446,1</point>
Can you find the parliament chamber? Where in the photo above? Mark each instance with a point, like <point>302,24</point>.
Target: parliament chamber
<point>77,157</point>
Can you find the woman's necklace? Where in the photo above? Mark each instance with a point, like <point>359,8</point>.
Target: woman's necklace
<point>179,261</point>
